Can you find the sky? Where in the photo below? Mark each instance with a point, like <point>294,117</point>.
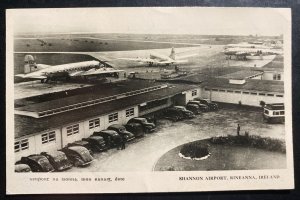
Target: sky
<point>158,20</point>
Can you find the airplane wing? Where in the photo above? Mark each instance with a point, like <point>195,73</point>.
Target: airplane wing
<point>32,77</point>
<point>172,62</point>
<point>95,71</point>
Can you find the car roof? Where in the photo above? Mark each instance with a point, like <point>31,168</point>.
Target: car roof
<point>139,118</point>
<point>96,137</point>
<point>55,153</point>
<point>116,126</point>
<point>77,148</point>
<point>110,132</point>
<point>179,107</point>
<point>36,157</point>
<point>81,142</point>
<point>133,124</point>
<point>21,166</point>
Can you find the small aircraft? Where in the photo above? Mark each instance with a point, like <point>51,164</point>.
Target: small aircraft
<point>79,69</point>
<point>242,53</point>
<point>158,59</point>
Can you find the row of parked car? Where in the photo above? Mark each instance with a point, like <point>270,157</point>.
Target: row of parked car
<point>80,153</point>
<point>194,107</point>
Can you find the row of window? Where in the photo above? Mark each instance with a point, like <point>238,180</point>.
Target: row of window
<point>244,92</point>
<point>24,144</point>
<point>71,130</point>
<point>194,93</point>
<point>277,77</point>
<point>281,112</point>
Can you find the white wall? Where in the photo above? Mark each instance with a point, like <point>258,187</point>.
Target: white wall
<point>269,75</point>
<point>36,146</point>
<point>246,99</point>
<point>189,97</point>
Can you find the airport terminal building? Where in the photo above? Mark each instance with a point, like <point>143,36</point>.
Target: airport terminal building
<point>50,122</point>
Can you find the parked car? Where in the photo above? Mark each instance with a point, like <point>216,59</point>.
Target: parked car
<point>186,113</point>
<point>37,163</point>
<point>20,168</point>
<point>78,155</point>
<point>173,114</point>
<point>121,130</point>
<point>58,160</point>
<point>194,108</point>
<point>209,103</point>
<point>148,127</point>
<point>203,107</point>
<point>82,143</point>
<point>136,129</point>
<point>112,138</point>
<point>97,143</point>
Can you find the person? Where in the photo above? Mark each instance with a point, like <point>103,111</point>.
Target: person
<point>123,141</point>
<point>238,129</point>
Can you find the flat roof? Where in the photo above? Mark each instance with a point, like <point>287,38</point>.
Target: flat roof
<point>243,74</point>
<point>88,96</point>
<point>251,84</point>
<point>275,65</point>
<point>25,125</point>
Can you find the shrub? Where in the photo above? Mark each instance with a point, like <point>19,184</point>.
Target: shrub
<point>195,150</point>
<point>267,143</point>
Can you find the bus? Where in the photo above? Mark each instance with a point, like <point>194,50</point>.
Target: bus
<point>274,113</point>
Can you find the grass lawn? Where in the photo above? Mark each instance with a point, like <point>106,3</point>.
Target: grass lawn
<point>223,157</point>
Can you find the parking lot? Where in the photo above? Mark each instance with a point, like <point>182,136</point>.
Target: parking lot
<point>141,154</point>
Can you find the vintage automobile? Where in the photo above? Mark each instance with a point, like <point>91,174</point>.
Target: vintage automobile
<point>37,163</point>
<point>173,114</point>
<point>209,103</point>
<point>78,155</point>
<point>203,107</point>
<point>97,143</point>
<point>194,108</point>
<point>82,143</point>
<point>136,129</point>
<point>21,168</point>
<point>121,130</point>
<point>112,138</point>
<point>186,113</point>
<point>147,127</point>
<point>58,160</point>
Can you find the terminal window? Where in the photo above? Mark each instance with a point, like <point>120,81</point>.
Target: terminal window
<point>194,92</point>
<point>129,112</point>
<point>71,130</point>
<point>21,145</point>
<point>48,137</point>
<point>94,123</point>
<point>113,117</point>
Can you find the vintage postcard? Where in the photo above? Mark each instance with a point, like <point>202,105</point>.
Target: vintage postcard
<point>152,99</point>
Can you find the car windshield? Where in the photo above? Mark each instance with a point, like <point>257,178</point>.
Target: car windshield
<point>43,161</point>
<point>60,158</point>
<point>84,152</point>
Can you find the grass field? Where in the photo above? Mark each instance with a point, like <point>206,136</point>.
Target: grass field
<point>86,45</point>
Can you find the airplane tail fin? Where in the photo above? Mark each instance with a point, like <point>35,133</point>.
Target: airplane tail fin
<point>172,55</point>
<point>29,64</point>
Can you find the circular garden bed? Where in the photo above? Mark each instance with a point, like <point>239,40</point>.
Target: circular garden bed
<point>225,153</point>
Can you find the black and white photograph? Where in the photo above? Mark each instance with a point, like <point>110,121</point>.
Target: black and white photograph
<point>149,99</point>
